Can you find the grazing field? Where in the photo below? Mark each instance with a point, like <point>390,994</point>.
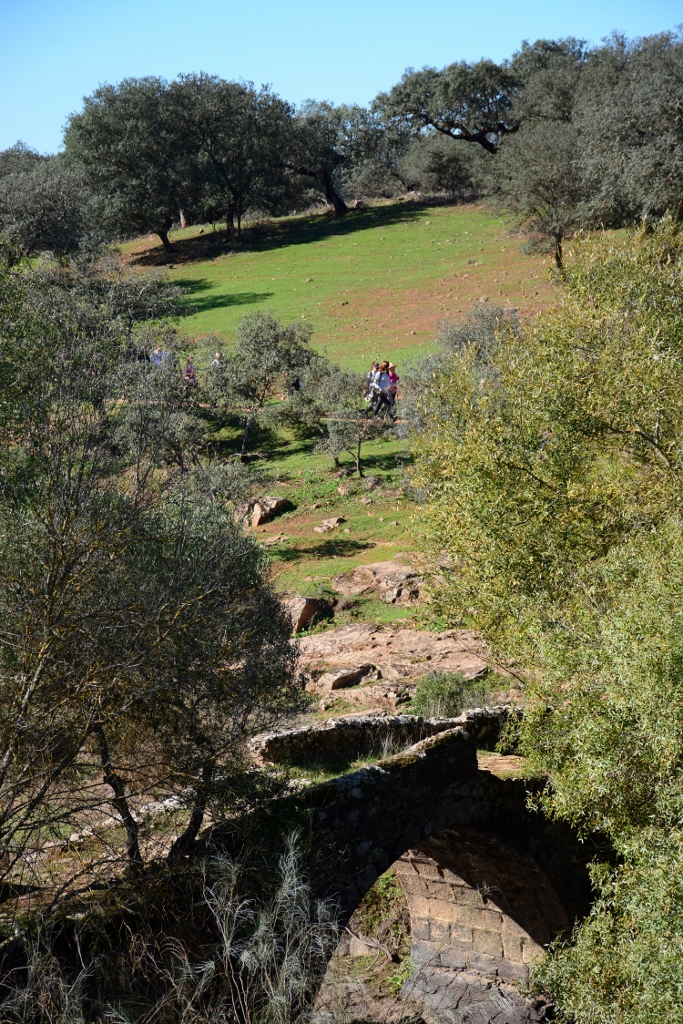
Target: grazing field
<point>374,283</point>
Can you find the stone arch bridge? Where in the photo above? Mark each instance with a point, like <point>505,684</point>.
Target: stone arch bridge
<point>489,882</point>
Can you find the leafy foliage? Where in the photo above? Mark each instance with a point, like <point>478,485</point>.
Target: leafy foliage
<point>471,102</point>
<point>125,142</point>
<point>232,139</point>
<point>552,462</point>
<point>140,641</point>
<point>45,205</point>
<point>266,360</point>
<point>349,423</point>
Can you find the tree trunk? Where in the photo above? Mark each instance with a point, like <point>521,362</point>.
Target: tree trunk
<point>239,225</point>
<point>559,255</point>
<point>185,840</point>
<point>244,451</point>
<point>119,803</point>
<point>359,468</point>
<point>333,197</point>
<point>163,235</point>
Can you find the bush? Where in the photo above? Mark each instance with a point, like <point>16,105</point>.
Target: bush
<point>447,694</point>
<point>553,472</point>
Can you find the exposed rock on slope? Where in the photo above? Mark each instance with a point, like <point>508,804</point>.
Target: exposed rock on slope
<point>389,658</point>
<point>392,581</point>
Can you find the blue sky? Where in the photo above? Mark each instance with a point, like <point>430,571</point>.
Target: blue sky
<point>54,52</point>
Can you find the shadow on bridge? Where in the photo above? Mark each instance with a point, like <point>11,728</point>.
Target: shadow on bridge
<point>489,881</point>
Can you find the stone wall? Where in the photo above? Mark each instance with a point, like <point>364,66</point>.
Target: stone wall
<point>482,911</point>
<point>362,735</point>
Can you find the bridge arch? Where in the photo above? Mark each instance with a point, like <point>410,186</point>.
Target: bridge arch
<point>489,882</point>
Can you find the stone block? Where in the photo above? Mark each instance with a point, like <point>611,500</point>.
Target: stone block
<point>425,952</point>
<point>421,928</point>
<point>513,949</point>
<point>446,910</point>
<point>476,917</point>
<point>428,869</point>
<point>414,884</point>
<point>420,906</point>
<point>531,951</point>
<point>513,937</point>
<point>485,963</point>
<point>509,971</point>
<point>451,878</point>
<point>464,896</point>
<point>461,934</point>
<point>440,931</point>
<point>485,941</point>
<point>454,958</point>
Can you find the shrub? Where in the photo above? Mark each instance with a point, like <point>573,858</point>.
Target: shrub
<point>553,473</point>
<point>447,694</point>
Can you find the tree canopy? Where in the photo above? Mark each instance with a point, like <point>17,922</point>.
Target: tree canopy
<point>127,144</point>
<point>140,641</point>
<point>468,102</point>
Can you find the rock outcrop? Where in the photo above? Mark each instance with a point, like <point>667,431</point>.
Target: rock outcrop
<point>392,581</point>
<point>397,653</point>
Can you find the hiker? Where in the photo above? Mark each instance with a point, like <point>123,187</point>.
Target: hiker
<point>394,378</point>
<point>371,377</point>
<point>218,359</point>
<point>158,356</point>
<point>382,399</point>
<point>190,374</point>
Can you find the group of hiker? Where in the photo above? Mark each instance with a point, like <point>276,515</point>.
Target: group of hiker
<point>161,358</point>
<point>382,389</point>
<point>381,392</point>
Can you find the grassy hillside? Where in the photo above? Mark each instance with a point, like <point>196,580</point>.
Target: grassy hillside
<point>373,284</point>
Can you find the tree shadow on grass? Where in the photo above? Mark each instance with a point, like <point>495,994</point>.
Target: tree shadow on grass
<point>199,304</point>
<point>378,462</point>
<point>297,230</point>
<point>336,548</point>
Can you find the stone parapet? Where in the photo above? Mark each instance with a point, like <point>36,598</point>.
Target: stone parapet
<point>362,735</point>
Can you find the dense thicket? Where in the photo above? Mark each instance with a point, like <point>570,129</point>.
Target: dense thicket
<point>561,135</point>
<point>140,641</point>
<point>551,457</point>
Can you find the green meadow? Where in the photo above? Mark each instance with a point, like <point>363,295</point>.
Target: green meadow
<point>372,284</point>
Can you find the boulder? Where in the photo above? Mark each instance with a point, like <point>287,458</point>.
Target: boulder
<point>401,588</point>
<point>266,509</point>
<point>329,524</point>
<point>302,609</point>
<point>372,482</point>
<point>341,678</point>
